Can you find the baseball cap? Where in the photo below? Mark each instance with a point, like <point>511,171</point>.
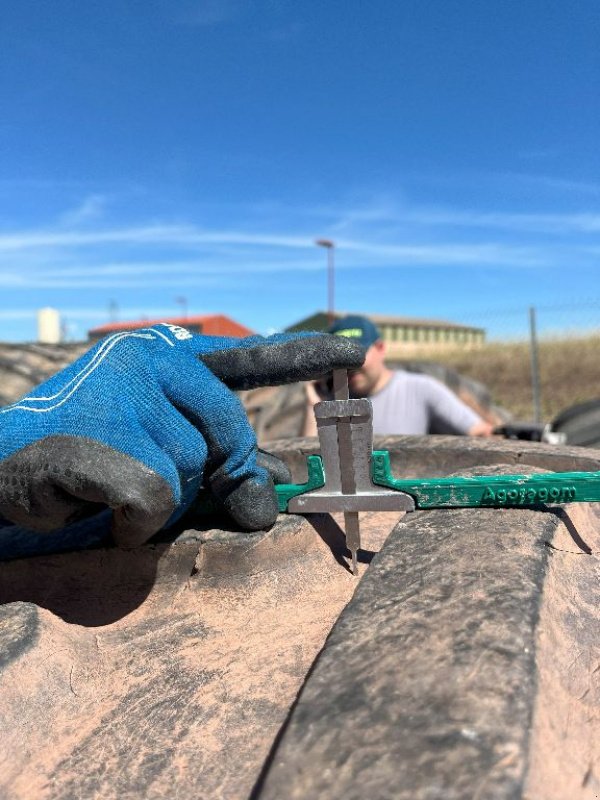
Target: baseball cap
<point>358,328</point>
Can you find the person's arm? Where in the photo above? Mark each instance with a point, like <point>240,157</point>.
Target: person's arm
<point>450,410</point>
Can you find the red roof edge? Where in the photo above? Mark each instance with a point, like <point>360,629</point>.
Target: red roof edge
<point>212,325</point>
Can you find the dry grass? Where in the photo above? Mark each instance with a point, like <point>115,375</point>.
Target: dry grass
<point>569,372</point>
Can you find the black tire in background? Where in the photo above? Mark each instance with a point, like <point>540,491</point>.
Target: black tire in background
<point>581,423</point>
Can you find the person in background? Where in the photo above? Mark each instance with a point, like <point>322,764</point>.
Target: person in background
<point>403,402</point>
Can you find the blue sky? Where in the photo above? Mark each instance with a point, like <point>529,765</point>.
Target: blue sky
<point>196,148</point>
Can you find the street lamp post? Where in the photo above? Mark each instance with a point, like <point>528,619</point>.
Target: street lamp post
<point>182,301</point>
<point>330,247</point>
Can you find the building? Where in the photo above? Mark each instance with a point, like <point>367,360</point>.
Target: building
<point>48,326</point>
<point>210,325</point>
<point>404,335</point>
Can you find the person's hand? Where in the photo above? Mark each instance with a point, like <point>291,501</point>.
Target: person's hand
<point>145,418</point>
<point>481,428</point>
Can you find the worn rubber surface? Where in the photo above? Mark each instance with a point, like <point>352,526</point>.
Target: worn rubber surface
<point>23,366</point>
<point>442,677</point>
<point>165,671</point>
<point>465,665</point>
<point>424,456</point>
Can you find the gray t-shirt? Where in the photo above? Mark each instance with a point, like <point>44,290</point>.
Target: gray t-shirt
<point>417,404</point>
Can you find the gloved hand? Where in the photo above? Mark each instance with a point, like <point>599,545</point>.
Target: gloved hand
<point>145,418</point>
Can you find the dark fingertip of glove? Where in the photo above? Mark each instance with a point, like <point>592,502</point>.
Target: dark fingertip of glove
<point>276,468</point>
<point>269,364</point>
<point>252,505</point>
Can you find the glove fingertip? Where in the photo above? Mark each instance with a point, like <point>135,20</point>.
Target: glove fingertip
<point>132,529</point>
<point>253,504</point>
<point>273,364</point>
<point>276,468</point>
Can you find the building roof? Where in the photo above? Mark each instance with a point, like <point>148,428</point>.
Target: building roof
<point>387,319</point>
<point>211,324</point>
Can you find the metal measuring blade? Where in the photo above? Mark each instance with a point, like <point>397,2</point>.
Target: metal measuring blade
<point>341,391</point>
<point>345,430</point>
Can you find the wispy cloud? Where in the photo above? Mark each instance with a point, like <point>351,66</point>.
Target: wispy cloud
<point>236,251</point>
<point>551,183</point>
<point>380,241</point>
<point>17,314</point>
<point>402,217</point>
<point>178,235</point>
<point>535,187</point>
<point>90,209</point>
<point>539,153</point>
<point>378,234</point>
<point>97,313</point>
<point>532,223</point>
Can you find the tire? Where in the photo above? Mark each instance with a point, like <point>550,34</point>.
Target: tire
<point>460,665</point>
<point>23,366</point>
<point>450,673</point>
<point>581,423</point>
<point>276,411</point>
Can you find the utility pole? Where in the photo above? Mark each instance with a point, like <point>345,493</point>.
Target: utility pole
<point>330,247</point>
<point>535,368</point>
<point>182,301</point>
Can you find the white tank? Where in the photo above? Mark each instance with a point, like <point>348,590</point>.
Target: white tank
<point>48,323</point>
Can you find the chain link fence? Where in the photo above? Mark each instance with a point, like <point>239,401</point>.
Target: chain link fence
<point>535,361</point>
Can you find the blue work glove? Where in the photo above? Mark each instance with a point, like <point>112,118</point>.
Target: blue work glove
<point>145,418</point>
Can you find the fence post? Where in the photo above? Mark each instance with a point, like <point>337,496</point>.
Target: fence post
<point>535,367</point>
